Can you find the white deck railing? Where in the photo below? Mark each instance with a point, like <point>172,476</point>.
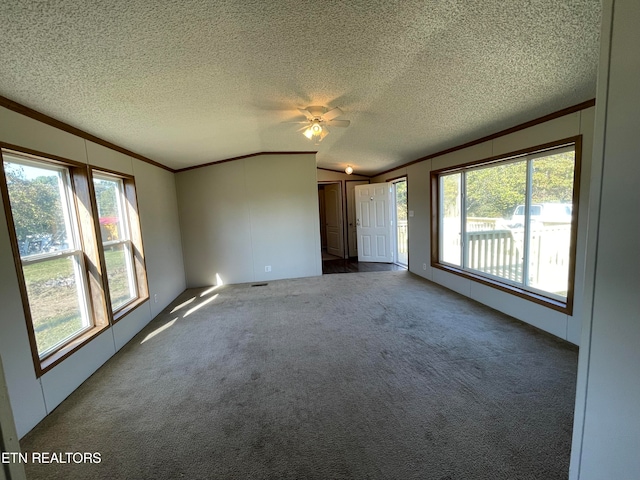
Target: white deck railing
<point>499,252</point>
<point>495,252</point>
<point>403,242</point>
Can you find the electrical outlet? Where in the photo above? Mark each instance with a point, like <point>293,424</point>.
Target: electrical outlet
<point>267,268</point>
<point>155,298</point>
<point>424,266</point>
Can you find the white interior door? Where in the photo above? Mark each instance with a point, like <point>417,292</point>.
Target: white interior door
<point>333,218</point>
<point>352,231</point>
<point>373,220</point>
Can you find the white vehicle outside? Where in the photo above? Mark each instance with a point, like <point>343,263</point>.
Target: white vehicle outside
<point>542,213</point>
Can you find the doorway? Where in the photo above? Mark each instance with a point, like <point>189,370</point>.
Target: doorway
<point>331,222</point>
<point>400,220</point>
<point>349,262</point>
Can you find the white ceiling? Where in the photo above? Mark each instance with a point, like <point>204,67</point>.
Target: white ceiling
<point>185,82</point>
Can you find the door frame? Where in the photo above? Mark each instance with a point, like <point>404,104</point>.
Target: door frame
<point>342,210</point>
<point>396,255</point>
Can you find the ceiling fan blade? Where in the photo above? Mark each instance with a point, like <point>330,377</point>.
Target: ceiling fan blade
<point>306,113</point>
<point>331,114</point>
<point>303,128</point>
<point>316,111</point>
<point>338,123</point>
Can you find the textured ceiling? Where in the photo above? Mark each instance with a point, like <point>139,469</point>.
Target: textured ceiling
<point>186,82</point>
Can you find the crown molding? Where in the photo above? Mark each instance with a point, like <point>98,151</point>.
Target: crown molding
<point>41,117</point>
<point>501,133</point>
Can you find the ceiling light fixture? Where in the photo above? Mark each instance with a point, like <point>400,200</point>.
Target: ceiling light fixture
<point>348,170</point>
<point>315,131</point>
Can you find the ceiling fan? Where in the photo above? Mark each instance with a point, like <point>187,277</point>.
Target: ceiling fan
<point>318,119</point>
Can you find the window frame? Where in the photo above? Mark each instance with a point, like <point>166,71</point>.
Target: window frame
<point>125,241</point>
<point>73,252</point>
<point>529,293</point>
<point>134,231</point>
<point>82,202</point>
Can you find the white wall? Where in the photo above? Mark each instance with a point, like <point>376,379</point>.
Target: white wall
<point>238,217</point>
<point>564,326</point>
<point>9,440</point>
<point>162,242</point>
<point>607,416</point>
<point>32,398</point>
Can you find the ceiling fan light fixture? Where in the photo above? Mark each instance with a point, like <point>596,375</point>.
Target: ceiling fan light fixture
<point>348,170</point>
<point>308,133</point>
<point>315,131</point>
<point>318,119</point>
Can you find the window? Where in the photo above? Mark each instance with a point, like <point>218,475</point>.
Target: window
<point>72,284</point>
<point>116,239</point>
<point>52,261</point>
<point>509,221</point>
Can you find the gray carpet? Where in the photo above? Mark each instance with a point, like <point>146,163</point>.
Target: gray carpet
<point>365,376</point>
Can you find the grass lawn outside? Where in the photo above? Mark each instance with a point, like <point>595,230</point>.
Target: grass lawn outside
<point>54,301</point>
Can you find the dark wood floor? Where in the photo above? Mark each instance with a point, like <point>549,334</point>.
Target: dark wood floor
<point>351,265</point>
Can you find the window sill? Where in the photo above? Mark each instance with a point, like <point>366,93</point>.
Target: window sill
<point>564,307</point>
<point>58,356</point>
<point>127,308</point>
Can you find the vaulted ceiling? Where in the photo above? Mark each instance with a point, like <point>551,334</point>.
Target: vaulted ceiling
<point>186,82</point>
